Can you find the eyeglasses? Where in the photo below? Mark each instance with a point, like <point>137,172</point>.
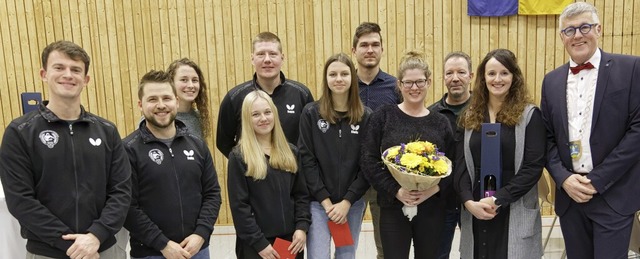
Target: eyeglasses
<point>584,29</point>
<point>419,83</point>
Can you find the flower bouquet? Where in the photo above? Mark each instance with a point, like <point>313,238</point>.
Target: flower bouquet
<point>416,165</point>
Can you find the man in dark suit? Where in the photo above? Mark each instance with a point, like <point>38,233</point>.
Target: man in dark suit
<point>591,108</point>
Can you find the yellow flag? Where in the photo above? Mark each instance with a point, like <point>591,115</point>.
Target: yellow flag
<point>542,7</point>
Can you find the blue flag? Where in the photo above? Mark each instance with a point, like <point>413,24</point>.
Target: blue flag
<point>492,7</point>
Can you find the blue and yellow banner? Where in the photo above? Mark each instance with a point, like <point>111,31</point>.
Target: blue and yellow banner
<point>513,7</point>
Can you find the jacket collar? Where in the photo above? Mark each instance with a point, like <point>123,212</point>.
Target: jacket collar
<point>48,115</point>
<point>147,136</point>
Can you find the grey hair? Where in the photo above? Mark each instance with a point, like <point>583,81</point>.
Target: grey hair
<point>576,9</point>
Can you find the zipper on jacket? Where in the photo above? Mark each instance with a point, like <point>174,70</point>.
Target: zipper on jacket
<point>284,221</point>
<point>175,173</point>
<point>75,173</point>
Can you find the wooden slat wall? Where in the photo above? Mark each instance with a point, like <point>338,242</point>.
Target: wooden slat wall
<point>125,39</point>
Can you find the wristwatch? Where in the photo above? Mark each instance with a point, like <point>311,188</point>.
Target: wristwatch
<point>496,201</point>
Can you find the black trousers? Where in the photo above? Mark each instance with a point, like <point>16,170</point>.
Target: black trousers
<point>396,231</point>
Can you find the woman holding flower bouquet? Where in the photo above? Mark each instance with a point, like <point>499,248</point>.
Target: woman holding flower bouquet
<point>396,125</point>
<point>329,144</point>
<point>267,193</point>
<point>507,224</point>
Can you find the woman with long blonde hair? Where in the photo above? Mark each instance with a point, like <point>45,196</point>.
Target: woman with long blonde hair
<point>267,194</point>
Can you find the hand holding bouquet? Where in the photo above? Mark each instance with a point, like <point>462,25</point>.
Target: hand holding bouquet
<point>416,165</point>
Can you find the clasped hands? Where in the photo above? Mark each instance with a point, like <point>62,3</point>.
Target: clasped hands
<point>579,188</point>
<point>414,198</point>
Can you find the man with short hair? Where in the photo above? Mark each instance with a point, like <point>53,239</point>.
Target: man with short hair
<point>176,196</point>
<point>377,89</point>
<point>289,96</point>
<point>591,107</point>
<point>64,170</point>
<point>457,79</point>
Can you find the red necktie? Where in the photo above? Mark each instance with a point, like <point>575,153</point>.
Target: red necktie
<point>576,69</point>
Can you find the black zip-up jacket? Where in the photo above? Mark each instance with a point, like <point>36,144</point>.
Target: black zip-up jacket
<point>175,190</point>
<point>289,97</point>
<point>331,156</point>
<point>64,177</point>
<point>273,207</point>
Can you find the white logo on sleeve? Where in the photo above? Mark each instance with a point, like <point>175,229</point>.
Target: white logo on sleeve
<point>156,155</point>
<point>323,125</point>
<point>95,142</point>
<point>49,138</point>
<point>354,129</point>
<point>290,108</point>
<point>189,154</point>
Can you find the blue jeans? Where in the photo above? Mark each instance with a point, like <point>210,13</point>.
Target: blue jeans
<point>203,254</point>
<point>451,220</point>
<point>319,238</point>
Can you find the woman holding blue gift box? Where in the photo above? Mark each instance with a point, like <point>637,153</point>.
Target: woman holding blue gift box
<point>506,224</point>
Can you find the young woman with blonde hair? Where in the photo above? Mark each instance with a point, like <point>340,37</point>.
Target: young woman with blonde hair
<point>267,194</point>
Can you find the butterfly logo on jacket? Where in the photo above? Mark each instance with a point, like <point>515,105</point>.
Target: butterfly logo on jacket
<point>290,108</point>
<point>354,129</point>
<point>189,154</point>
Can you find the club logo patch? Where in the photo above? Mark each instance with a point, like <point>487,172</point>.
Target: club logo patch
<point>95,142</point>
<point>323,125</point>
<point>290,108</point>
<point>354,129</point>
<point>156,155</point>
<point>189,154</point>
<point>49,138</point>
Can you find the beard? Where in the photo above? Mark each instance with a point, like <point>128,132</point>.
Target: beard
<point>155,123</point>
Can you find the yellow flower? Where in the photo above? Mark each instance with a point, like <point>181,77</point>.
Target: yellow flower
<point>392,153</point>
<point>428,147</point>
<point>440,166</point>
<point>416,147</point>
<point>410,160</point>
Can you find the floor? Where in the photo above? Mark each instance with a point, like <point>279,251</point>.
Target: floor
<point>223,242</point>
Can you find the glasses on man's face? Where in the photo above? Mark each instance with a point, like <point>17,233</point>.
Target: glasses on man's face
<point>419,83</point>
<point>584,29</point>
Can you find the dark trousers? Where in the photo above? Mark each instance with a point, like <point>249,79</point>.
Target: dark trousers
<point>396,231</point>
<point>595,230</point>
<point>451,220</point>
<point>245,251</point>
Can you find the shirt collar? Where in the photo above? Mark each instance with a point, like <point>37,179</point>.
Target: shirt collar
<point>594,60</point>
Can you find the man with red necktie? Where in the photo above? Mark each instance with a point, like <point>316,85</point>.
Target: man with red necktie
<point>591,107</point>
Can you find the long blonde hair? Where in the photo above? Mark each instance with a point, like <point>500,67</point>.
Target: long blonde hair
<point>281,158</point>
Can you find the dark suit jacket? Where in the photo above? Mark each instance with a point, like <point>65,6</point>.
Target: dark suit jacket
<point>615,132</point>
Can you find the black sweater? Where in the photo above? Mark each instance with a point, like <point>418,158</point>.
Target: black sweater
<point>289,97</point>
<point>330,156</point>
<point>390,126</point>
<point>275,206</point>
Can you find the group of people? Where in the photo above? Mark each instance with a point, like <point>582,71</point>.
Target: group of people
<point>296,165</point>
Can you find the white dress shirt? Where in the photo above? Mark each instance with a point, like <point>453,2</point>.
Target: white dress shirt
<point>581,91</point>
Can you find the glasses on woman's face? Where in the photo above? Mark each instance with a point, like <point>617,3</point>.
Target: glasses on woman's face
<point>419,83</point>
<point>584,29</point>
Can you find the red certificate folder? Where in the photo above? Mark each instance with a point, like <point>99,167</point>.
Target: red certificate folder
<point>341,234</point>
<point>281,246</point>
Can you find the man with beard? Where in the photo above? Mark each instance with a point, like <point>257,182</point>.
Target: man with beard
<point>457,78</point>
<point>377,89</point>
<point>175,192</point>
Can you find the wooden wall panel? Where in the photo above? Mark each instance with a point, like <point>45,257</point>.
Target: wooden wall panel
<point>125,39</point>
